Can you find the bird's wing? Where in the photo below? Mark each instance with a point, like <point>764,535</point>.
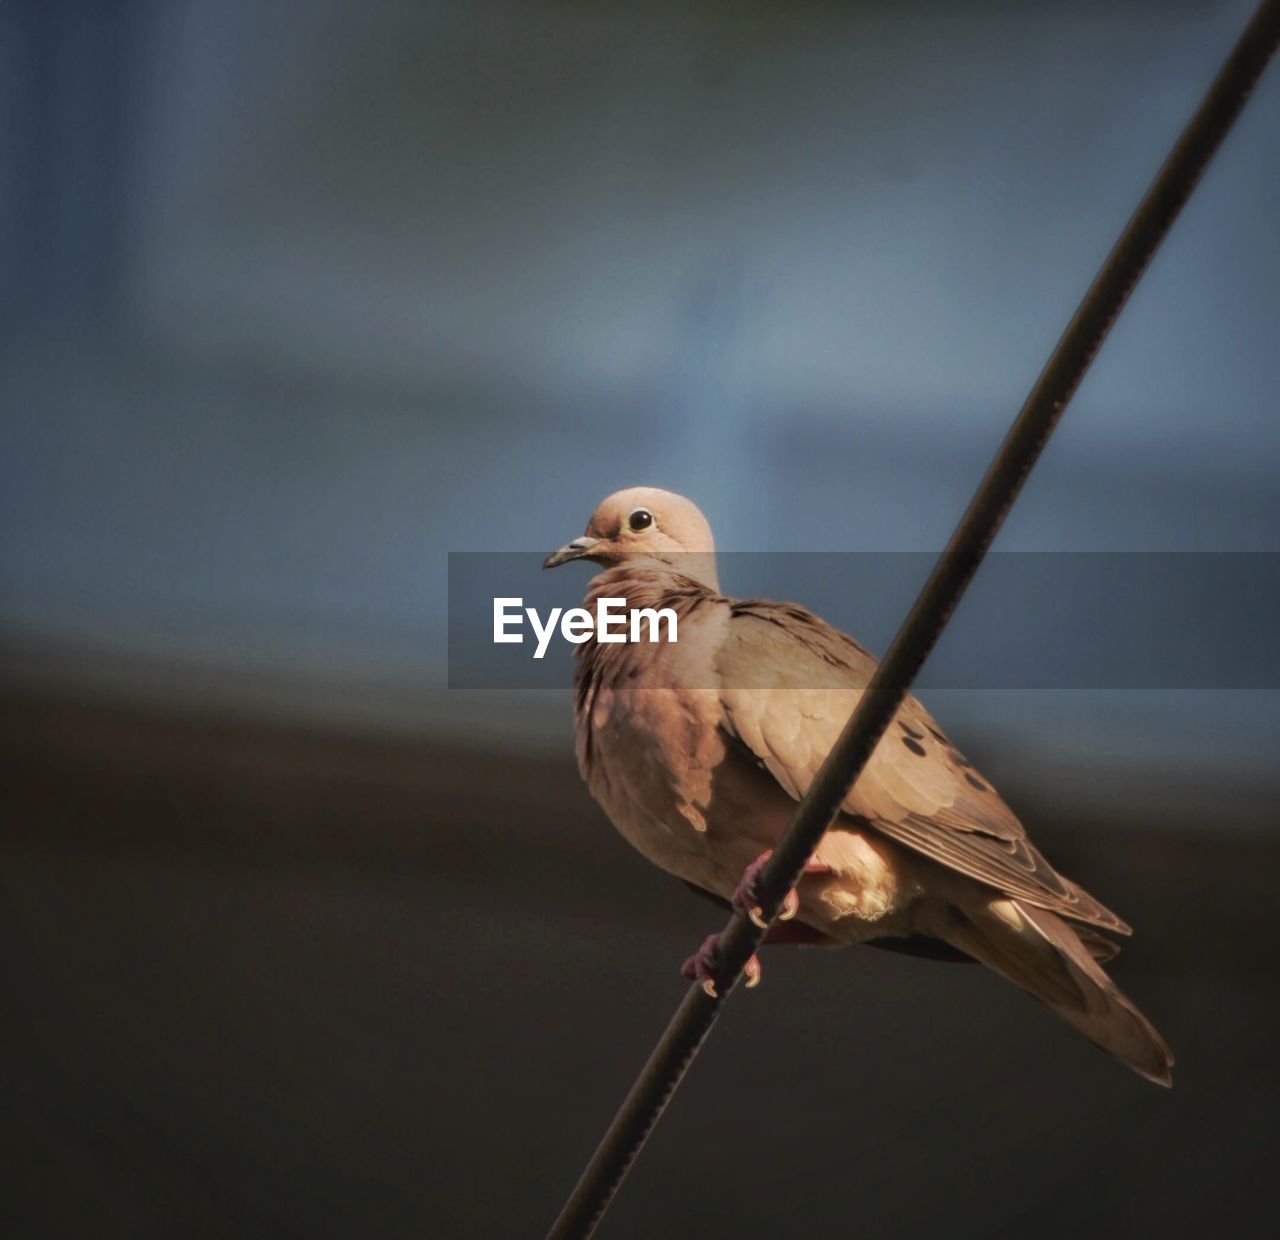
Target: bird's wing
<point>789,682</point>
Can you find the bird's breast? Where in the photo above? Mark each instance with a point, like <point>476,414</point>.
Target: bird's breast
<point>653,748</point>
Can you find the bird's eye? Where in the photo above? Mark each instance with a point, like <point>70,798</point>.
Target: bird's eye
<point>640,519</point>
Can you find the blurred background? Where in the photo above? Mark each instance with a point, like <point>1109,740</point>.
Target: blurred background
<point>295,299</point>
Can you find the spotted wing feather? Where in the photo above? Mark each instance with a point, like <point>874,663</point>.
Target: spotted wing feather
<point>789,681</point>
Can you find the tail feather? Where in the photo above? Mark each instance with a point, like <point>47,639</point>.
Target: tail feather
<point>1037,950</point>
<point>1098,945</point>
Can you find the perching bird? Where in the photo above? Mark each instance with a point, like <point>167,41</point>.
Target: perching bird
<point>699,749</point>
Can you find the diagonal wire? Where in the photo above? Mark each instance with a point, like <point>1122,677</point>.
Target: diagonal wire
<point>955,568</point>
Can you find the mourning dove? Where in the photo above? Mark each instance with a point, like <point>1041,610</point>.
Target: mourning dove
<point>699,749</point>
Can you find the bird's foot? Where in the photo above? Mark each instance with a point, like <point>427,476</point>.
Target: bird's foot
<point>747,895</point>
<point>704,964</point>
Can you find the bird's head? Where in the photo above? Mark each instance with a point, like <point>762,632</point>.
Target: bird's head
<point>645,523</point>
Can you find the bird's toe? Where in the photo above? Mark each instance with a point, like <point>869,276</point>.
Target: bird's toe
<point>704,966</point>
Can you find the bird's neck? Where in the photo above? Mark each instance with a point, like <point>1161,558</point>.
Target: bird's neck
<point>652,583</point>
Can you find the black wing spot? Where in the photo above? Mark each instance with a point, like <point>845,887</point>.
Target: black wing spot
<point>910,731</point>
<point>915,746</point>
<point>975,781</point>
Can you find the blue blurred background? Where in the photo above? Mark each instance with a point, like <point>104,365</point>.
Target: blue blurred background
<point>297,297</point>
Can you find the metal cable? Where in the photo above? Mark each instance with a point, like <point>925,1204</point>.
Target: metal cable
<point>955,568</point>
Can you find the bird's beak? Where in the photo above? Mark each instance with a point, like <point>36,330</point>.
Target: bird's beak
<point>576,550</point>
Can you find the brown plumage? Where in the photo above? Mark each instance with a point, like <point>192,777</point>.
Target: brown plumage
<point>698,751</point>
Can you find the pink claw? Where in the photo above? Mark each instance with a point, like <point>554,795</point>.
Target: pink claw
<point>703,965</point>
<point>747,895</point>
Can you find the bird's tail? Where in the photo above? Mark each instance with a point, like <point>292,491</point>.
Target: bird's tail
<point>1043,954</point>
